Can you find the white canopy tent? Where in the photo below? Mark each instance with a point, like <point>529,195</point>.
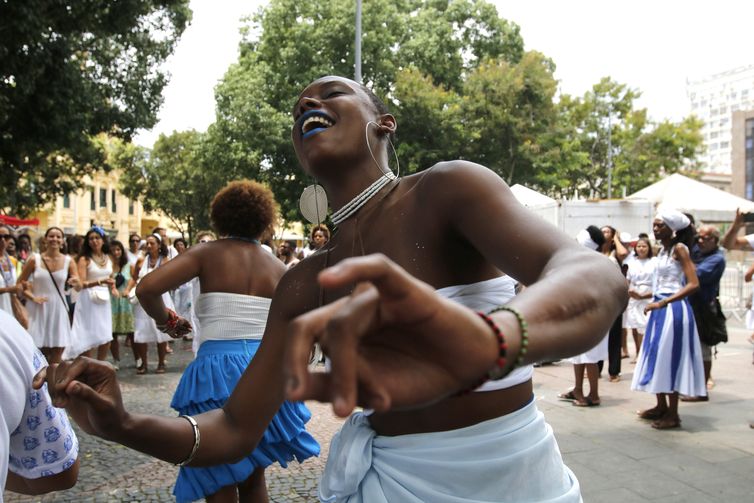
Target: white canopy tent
<point>544,206</point>
<point>706,203</point>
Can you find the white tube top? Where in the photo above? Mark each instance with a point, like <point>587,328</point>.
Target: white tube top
<point>229,316</point>
<point>485,296</point>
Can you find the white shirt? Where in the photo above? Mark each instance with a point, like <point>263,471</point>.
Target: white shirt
<point>36,439</point>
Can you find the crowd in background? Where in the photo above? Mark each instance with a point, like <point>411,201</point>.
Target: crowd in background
<point>76,294</point>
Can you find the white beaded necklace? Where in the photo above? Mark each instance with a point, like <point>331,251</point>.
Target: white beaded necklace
<point>360,200</point>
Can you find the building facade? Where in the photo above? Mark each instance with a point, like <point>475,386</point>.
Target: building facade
<point>742,153</point>
<point>714,99</point>
<point>103,205</point>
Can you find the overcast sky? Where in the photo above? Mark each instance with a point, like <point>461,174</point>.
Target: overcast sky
<point>652,45</point>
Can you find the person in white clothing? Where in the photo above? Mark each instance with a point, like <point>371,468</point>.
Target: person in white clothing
<point>93,319</point>
<point>51,273</point>
<point>145,330</point>
<point>639,277</point>
<point>387,301</point>
<point>38,447</point>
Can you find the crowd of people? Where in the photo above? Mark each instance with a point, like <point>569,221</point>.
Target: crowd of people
<point>421,319</point>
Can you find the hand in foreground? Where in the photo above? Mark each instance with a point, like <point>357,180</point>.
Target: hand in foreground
<point>90,393</point>
<point>393,343</point>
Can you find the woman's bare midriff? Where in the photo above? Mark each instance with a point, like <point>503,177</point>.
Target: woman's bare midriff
<point>453,413</point>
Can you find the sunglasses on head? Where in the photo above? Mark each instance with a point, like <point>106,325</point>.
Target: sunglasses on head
<point>6,236</point>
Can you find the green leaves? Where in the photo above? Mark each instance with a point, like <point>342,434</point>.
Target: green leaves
<point>70,71</point>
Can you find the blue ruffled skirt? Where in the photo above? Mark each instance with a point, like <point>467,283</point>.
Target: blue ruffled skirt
<point>206,385</point>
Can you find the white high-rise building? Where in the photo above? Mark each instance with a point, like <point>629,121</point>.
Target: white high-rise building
<point>713,99</point>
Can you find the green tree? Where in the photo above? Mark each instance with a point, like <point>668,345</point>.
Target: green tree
<point>70,70</point>
<point>604,127</point>
<point>170,178</point>
<point>289,43</point>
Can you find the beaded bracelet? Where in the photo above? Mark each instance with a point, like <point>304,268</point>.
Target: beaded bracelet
<point>197,439</point>
<point>499,363</point>
<point>524,333</point>
<point>169,326</point>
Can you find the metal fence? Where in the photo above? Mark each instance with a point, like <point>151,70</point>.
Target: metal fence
<point>735,293</point>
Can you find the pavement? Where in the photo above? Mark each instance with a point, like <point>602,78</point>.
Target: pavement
<point>616,456</point>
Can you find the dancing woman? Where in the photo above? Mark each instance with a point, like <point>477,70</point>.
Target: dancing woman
<point>50,324</point>
<point>92,320</point>
<point>237,279</point>
<point>670,361</point>
<point>400,327</point>
<point>145,330</point>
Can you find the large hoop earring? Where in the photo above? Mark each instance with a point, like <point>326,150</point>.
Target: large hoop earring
<point>313,203</point>
<point>395,153</point>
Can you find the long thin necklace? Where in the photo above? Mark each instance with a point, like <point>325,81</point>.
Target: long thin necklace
<point>100,262</point>
<point>361,199</point>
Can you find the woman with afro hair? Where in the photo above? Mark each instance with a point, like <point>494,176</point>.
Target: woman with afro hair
<point>237,279</point>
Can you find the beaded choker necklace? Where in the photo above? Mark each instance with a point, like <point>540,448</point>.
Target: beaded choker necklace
<point>360,200</point>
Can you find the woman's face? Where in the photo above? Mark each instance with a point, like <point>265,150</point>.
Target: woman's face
<point>660,230</point>
<point>608,233</point>
<point>330,118</point>
<point>95,241</point>
<point>24,243</point>
<point>180,247</point>
<point>54,239</point>
<point>10,247</point>
<point>642,249</point>
<point>319,239</point>
<point>153,247</point>
<point>117,252</point>
<point>5,238</point>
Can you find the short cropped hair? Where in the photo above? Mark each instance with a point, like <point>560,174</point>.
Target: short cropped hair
<point>243,208</point>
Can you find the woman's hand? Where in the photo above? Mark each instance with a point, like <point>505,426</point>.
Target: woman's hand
<point>114,292</point>
<point>394,342</point>
<point>634,294</point>
<point>38,300</point>
<point>748,275</point>
<point>90,393</point>
<point>108,282</point>
<point>655,305</point>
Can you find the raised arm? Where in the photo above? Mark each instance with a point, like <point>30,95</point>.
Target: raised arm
<point>169,276</point>
<point>731,240</point>
<point>573,294</point>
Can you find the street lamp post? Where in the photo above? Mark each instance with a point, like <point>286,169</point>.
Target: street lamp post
<point>357,45</point>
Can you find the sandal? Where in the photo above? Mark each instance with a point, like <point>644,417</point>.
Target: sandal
<point>160,369</point>
<point>140,371</point>
<point>569,396</point>
<point>652,414</point>
<point>586,402</point>
<point>666,424</point>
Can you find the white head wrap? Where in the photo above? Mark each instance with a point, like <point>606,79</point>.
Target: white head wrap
<point>625,237</point>
<point>584,239</point>
<point>673,218</point>
<point>157,237</point>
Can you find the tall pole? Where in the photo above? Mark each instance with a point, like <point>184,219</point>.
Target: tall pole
<point>357,45</point>
<point>609,155</point>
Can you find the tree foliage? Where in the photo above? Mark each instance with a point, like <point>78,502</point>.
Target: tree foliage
<point>169,178</point>
<point>70,70</point>
<point>603,128</point>
<point>288,44</point>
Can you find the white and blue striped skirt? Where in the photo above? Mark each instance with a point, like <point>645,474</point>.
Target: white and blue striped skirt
<point>670,360</point>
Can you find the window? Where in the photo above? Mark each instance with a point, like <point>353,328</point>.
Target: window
<point>113,205</point>
<point>92,205</point>
<point>103,198</point>
<point>713,134</point>
<point>713,146</point>
<point>724,144</point>
<point>66,201</point>
<point>130,206</point>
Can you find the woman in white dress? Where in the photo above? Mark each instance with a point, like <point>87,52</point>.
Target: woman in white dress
<point>145,330</point>
<point>670,361</point>
<point>639,276</point>
<point>594,239</point>
<point>8,269</point>
<point>50,325</point>
<point>93,319</point>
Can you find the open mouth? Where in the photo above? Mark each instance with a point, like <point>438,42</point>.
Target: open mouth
<point>313,122</point>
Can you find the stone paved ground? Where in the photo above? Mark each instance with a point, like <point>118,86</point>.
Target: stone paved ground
<point>616,456</point>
